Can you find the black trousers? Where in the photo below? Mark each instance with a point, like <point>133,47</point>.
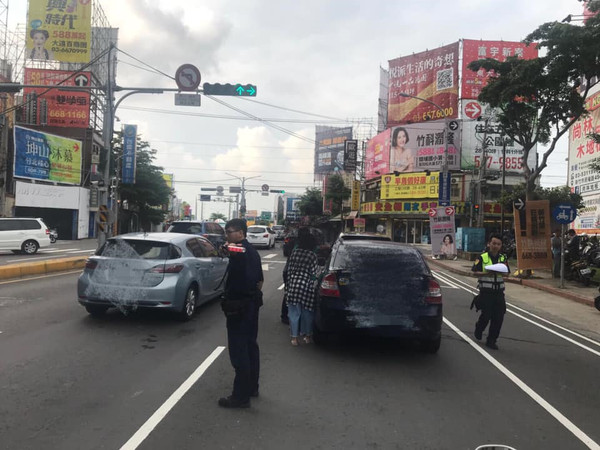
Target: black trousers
<point>493,307</point>
<point>244,354</point>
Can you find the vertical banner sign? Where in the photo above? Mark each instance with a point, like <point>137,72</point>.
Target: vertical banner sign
<point>432,75</point>
<point>350,152</point>
<point>442,231</point>
<point>444,189</point>
<point>129,144</point>
<point>533,236</point>
<point>59,30</point>
<point>355,201</point>
<point>473,82</point>
<point>327,204</point>
<point>44,156</point>
<point>59,108</point>
<point>377,158</point>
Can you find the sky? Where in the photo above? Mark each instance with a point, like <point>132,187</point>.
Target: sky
<point>307,58</point>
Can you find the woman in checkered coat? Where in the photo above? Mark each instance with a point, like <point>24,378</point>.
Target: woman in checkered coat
<point>302,268</point>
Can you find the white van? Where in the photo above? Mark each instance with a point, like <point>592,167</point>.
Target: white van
<point>23,235</point>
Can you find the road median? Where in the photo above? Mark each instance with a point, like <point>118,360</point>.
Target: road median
<point>26,269</point>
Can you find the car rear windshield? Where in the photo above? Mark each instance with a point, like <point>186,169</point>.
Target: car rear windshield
<point>379,259</point>
<point>256,230</point>
<point>134,249</point>
<point>189,228</point>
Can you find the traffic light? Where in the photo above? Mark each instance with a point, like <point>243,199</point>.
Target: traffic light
<point>277,191</point>
<point>476,207</point>
<point>236,90</point>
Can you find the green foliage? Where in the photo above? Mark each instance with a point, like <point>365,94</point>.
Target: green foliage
<point>338,192</point>
<point>538,100</point>
<point>217,216</point>
<point>311,203</point>
<point>150,191</point>
<point>555,195</point>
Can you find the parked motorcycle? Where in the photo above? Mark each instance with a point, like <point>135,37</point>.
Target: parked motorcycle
<point>578,269</point>
<point>597,303</point>
<point>53,235</point>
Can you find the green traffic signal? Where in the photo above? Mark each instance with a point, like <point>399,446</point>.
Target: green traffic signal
<point>236,90</point>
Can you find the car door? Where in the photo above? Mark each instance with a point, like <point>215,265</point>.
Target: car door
<point>218,266</point>
<point>13,234</point>
<point>202,267</point>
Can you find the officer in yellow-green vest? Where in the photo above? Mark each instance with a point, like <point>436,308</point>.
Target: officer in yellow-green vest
<point>491,291</point>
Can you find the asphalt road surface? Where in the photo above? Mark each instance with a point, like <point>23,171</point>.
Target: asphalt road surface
<point>146,381</point>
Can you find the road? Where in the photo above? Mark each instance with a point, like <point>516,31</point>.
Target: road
<point>146,381</point>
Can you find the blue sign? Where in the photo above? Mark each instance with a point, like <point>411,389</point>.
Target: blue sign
<point>444,189</point>
<point>564,213</point>
<point>129,144</point>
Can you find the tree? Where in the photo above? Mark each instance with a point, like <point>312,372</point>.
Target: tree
<point>338,192</point>
<point>218,216</point>
<point>150,192</point>
<point>311,203</point>
<point>538,100</point>
<point>555,196</point>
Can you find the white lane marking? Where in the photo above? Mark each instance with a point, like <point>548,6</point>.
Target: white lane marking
<point>164,409</point>
<point>280,288</point>
<point>448,283</point>
<point>272,255</point>
<point>91,252</point>
<point>265,267</point>
<point>58,250</point>
<point>277,262</point>
<point>585,338</point>
<point>579,434</point>
<point>50,275</point>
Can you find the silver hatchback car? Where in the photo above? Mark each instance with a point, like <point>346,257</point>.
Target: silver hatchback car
<point>171,271</point>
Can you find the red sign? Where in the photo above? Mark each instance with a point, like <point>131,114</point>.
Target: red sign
<point>473,110</point>
<point>450,210</point>
<point>473,82</point>
<point>359,223</point>
<point>432,75</point>
<point>432,212</point>
<point>56,107</point>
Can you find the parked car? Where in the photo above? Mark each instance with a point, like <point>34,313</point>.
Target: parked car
<point>260,235</point>
<point>279,232</point>
<point>23,234</point>
<point>363,236</point>
<point>322,247</point>
<point>170,271</point>
<point>212,231</point>
<point>379,287</point>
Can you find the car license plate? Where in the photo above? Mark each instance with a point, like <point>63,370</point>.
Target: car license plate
<point>585,271</point>
<point>251,237</point>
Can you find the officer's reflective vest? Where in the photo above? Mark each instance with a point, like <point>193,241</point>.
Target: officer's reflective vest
<point>492,281</point>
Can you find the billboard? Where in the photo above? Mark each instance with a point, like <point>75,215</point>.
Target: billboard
<point>442,231</point>
<point>129,145</point>
<point>377,157</point>
<point>431,75</point>
<point>292,212</point>
<point>414,185</point>
<point>59,30</point>
<point>473,136</point>
<point>56,107</point>
<point>329,148</point>
<point>583,152</point>
<point>44,156</point>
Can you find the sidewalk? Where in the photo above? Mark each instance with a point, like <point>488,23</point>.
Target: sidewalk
<point>541,279</point>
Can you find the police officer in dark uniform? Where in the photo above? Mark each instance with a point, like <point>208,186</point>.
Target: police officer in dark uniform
<point>491,291</point>
<point>243,285</point>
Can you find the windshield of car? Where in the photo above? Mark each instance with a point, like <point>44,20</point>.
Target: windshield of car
<point>256,229</point>
<point>394,260</point>
<point>133,249</point>
<point>186,227</point>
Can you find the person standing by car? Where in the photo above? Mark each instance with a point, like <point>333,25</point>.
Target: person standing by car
<point>491,291</point>
<point>301,269</point>
<point>242,288</point>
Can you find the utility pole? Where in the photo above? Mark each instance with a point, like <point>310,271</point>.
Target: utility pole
<point>242,208</point>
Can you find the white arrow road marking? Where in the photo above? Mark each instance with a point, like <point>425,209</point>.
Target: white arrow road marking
<point>162,412</point>
<point>280,288</point>
<point>265,267</point>
<point>272,255</point>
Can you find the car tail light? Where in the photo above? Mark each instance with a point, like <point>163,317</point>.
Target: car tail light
<point>434,293</point>
<point>47,231</point>
<point>265,235</point>
<point>329,286</point>
<point>91,264</point>
<point>167,268</point>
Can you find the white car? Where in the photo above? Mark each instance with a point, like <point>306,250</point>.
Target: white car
<point>23,235</point>
<point>260,235</point>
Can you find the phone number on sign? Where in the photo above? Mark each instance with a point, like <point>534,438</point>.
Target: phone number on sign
<point>514,162</point>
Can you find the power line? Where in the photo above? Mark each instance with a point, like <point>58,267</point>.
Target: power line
<point>234,145</point>
<point>292,110</point>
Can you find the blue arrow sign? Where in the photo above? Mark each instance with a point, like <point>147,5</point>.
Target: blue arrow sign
<point>564,213</point>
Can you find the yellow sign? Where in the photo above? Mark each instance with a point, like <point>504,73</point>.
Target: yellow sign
<point>532,230</point>
<point>355,204</point>
<point>409,186</point>
<point>59,30</point>
<point>168,177</point>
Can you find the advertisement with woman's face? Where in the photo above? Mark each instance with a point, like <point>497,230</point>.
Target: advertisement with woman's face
<point>402,158</point>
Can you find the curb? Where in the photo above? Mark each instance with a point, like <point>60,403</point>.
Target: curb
<point>26,269</point>
<point>529,283</point>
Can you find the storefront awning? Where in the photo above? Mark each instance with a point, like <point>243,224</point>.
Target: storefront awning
<point>351,215</point>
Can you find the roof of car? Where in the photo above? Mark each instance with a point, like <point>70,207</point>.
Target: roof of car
<point>378,244</point>
<point>364,236</point>
<point>159,236</point>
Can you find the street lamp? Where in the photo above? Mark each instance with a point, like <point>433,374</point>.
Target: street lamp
<point>443,194</point>
<point>242,208</point>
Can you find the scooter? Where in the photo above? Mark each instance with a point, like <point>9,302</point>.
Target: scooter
<point>53,235</point>
<point>578,270</point>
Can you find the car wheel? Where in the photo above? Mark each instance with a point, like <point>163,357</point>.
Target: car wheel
<point>189,305</point>
<point>431,346</point>
<point>30,247</point>
<point>96,310</point>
